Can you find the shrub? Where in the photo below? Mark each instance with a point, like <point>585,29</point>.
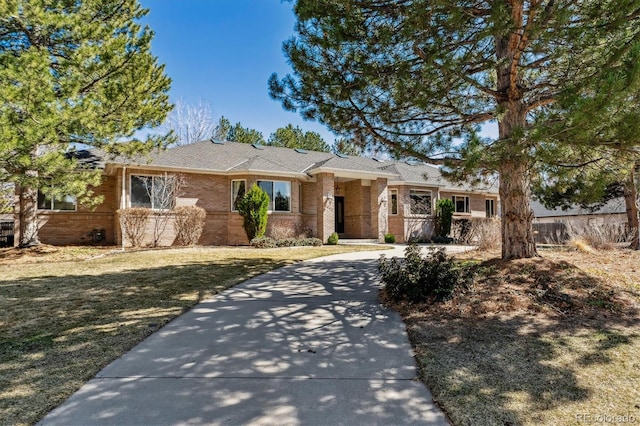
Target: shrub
<point>333,239</point>
<point>263,242</point>
<point>267,242</point>
<point>601,236</point>
<point>281,230</point>
<point>253,208</point>
<point>189,223</point>
<point>133,222</point>
<point>389,238</point>
<point>444,216</point>
<point>417,278</point>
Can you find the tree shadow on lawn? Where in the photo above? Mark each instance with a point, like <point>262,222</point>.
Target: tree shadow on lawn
<point>533,343</point>
<point>56,332</point>
<point>326,345</point>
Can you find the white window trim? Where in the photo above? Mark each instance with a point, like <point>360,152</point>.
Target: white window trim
<point>274,201</point>
<point>391,192</point>
<point>466,204</point>
<point>423,191</point>
<point>233,209</point>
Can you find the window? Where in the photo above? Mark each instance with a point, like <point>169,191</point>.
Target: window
<point>279,194</point>
<point>490,207</point>
<point>393,207</point>
<point>238,189</point>
<point>153,192</point>
<point>461,204</point>
<point>46,202</point>
<point>420,202</point>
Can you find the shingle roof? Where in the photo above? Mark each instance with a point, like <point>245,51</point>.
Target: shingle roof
<point>614,206</point>
<point>234,157</point>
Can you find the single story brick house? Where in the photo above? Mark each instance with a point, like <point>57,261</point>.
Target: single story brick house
<point>317,193</point>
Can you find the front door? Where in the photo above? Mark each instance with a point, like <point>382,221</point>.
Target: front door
<point>339,215</point>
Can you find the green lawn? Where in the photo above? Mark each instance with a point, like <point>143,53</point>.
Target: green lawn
<point>65,314</point>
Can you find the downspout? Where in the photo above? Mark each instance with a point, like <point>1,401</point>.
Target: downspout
<point>123,203</point>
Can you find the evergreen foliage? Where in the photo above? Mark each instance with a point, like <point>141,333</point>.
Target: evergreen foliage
<point>237,133</point>
<point>333,239</point>
<point>444,215</point>
<point>419,77</point>
<point>253,208</point>
<point>73,72</point>
<point>418,278</point>
<point>294,137</point>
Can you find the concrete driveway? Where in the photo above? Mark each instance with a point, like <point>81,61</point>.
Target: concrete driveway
<point>305,344</point>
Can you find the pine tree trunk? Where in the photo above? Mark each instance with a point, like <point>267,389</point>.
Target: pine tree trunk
<point>28,217</point>
<point>630,198</point>
<point>517,216</point>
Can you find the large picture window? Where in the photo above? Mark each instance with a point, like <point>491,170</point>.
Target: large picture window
<point>461,204</point>
<point>153,192</point>
<point>420,202</point>
<point>279,194</point>
<point>46,202</point>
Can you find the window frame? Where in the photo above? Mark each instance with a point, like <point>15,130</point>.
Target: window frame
<point>467,204</point>
<point>490,212</point>
<point>393,193</point>
<point>233,196</point>
<point>412,205</point>
<point>272,195</point>
<point>151,195</point>
<point>52,203</point>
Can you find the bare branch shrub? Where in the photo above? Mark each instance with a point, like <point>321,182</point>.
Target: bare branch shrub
<point>487,233</point>
<point>480,231</point>
<point>601,236</point>
<point>281,230</point>
<point>133,222</point>
<point>163,192</point>
<point>189,223</point>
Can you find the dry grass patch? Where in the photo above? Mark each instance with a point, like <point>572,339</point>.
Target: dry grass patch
<point>552,340</point>
<point>63,317</point>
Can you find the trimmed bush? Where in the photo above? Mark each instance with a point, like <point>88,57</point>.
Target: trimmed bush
<point>416,278</point>
<point>189,223</point>
<point>389,238</point>
<point>333,239</point>
<point>253,208</point>
<point>267,242</point>
<point>263,242</point>
<point>134,224</point>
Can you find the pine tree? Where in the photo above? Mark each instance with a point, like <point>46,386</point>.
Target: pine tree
<point>72,73</point>
<point>294,137</point>
<point>420,76</point>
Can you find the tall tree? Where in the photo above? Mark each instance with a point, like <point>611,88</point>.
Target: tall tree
<point>602,122</point>
<point>294,137</point>
<point>420,76</point>
<point>347,146</point>
<point>237,133</point>
<point>191,122</point>
<point>72,72</point>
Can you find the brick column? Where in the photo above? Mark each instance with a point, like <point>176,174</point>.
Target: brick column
<point>379,209</point>
<point>325,205</point>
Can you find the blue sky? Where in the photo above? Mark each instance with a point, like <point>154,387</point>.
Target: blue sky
<point>222,52</point>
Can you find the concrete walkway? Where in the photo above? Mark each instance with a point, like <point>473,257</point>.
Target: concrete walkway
<point>306,344</point>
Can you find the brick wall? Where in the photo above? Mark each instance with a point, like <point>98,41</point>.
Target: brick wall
<point>69,227</point>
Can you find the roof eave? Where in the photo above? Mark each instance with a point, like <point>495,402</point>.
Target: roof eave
<point>351,174</point>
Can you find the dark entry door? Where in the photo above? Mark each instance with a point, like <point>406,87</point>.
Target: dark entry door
<point>339,215</point>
